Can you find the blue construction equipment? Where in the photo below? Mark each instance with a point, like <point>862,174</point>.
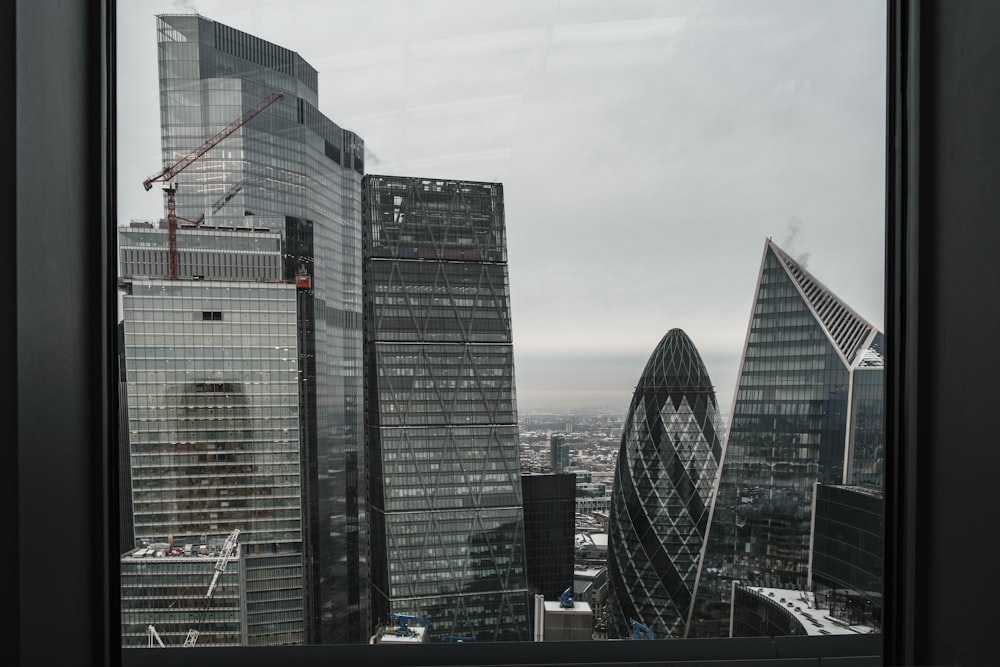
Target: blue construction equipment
<point>566,599</point>
<point>402,620</point>
<point>640,631</point>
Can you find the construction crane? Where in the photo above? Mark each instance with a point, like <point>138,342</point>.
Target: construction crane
<point>224,199</point>
<point>168,174</point>
<point>225,555</point>
<point>154,638</point>
<point>566,599</point>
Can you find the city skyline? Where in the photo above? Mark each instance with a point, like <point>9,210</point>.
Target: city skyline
<point>636,198</point>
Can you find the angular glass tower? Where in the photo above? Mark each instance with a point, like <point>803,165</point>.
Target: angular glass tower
<point>446,506</point>
<point>666,469</point>
<point>292,171</point>
<point>809,393</point>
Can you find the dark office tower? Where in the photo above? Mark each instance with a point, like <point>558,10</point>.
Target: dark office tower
<point>846,568</point>
<point>667,464</point>
<point>559,453</point>
<point>809,389</point>
<point>549,531</point>
<point>292,171</point>
<point>441,422</point>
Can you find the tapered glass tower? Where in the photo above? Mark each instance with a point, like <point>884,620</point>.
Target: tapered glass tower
<point>293,172</point>
<point>809,393</point>
<point>441,421</point>
<point>664,477</point>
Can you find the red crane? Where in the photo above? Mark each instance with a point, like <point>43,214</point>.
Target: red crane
<point>168,174</point>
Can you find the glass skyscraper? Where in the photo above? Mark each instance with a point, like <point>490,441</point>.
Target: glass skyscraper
<point>446,503</point>
<point>559,452</point>
<point>291,171</point>
<point>665,473</point>
<point>807,409</point>
<point>213,421</point>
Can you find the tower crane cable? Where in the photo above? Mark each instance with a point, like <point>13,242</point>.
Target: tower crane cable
<point>168,173</point>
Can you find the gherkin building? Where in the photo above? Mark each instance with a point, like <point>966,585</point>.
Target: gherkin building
<point>666,469</point>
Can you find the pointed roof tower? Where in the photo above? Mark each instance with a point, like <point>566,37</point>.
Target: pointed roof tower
<point>850,333</point>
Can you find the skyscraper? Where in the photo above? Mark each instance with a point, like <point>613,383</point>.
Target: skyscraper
<point>809,391</point>
<point>441,420</point>
<point>549,531</point>
<point>294,172</point>
<point>666,468</point>
<point>559,452</point>
<point>212,378</point>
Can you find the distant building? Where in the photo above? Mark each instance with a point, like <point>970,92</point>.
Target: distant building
<point>559,623</point>
<point>559,453</point>
<point>590,585</point>
<point>808,409</point>
<point>664,479</point>
<point>591,550</point>
<point>846,566</point>
<point>595,505</point>
<point>772,612</point>
<point>549,532</point>
<point>447,522</point>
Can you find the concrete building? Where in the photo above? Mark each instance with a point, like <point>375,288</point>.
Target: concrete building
<point>556,622</point>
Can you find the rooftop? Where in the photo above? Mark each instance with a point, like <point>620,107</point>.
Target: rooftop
<point>166,550</point>
<point>801,605</point>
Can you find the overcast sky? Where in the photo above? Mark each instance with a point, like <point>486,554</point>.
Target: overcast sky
<point>647,150</point>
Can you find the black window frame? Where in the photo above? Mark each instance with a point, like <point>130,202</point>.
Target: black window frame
<point>60,486</point>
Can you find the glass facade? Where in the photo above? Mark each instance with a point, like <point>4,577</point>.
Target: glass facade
<point>292,171</point>
<point>212,385</point>
<point>666,468</point>
<point>163,586</point>
<point>549,531</point>
<point>846,568</point>
<point>446,509</point>
<point>559,452</point>
<point>808,361</point>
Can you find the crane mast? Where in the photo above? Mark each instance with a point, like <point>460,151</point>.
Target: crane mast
<point>168,174</point>
<point>220,566</point>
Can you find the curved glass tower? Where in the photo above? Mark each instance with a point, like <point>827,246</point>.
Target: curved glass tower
<point>666,469</point>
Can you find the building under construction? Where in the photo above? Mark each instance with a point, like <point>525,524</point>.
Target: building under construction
<point>178,595</point>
